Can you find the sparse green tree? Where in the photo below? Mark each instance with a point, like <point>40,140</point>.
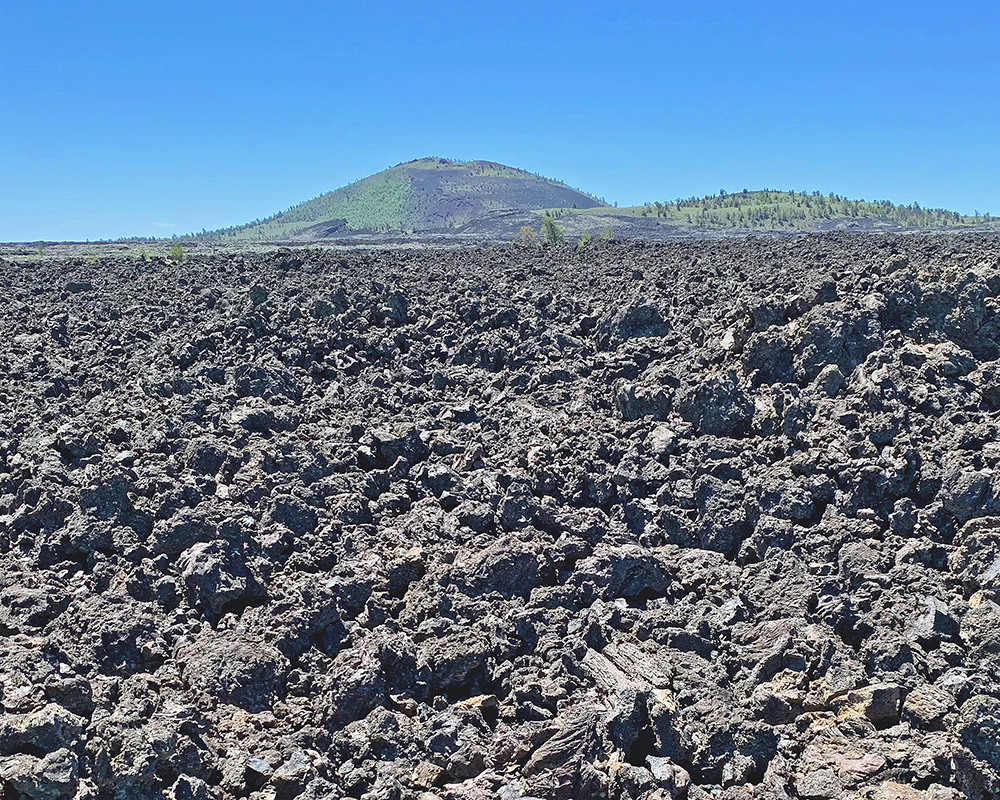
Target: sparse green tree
<point>584,239</point>
<point>607,234</point>
<point>553,234</point>
<point>528,236</point>
<point>41,251</point>
<point>177,253</point>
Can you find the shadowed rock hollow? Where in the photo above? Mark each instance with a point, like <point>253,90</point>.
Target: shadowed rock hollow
<point>701,520</point>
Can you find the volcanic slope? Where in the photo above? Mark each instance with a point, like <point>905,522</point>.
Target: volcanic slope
<point>427,194</point>
<point>697,521</point>
<point>727,214</point>
<point>793,211</point>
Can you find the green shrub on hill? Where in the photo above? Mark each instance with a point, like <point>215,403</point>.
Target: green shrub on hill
<point>769,209</point>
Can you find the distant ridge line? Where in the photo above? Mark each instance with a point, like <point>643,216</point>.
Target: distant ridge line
<point>445,195</point>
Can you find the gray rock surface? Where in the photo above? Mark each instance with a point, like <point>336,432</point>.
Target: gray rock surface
<point>691,520</point>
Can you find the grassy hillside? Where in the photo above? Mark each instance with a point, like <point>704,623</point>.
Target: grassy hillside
<point>769,209</point>
<point>425,194</point>
<point>378,202</point>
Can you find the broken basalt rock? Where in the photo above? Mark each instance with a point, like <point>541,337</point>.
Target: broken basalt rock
<point>695,520</point>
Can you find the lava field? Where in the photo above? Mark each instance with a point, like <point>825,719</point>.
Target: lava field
<point>683,520</point>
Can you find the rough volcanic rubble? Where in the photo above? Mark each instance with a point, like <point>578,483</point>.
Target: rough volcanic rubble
<point>699,520</point>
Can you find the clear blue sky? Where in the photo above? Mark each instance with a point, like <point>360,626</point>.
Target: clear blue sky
<point>125,118</point>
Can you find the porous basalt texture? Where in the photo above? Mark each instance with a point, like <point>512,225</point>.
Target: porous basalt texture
<point>695,520</point>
